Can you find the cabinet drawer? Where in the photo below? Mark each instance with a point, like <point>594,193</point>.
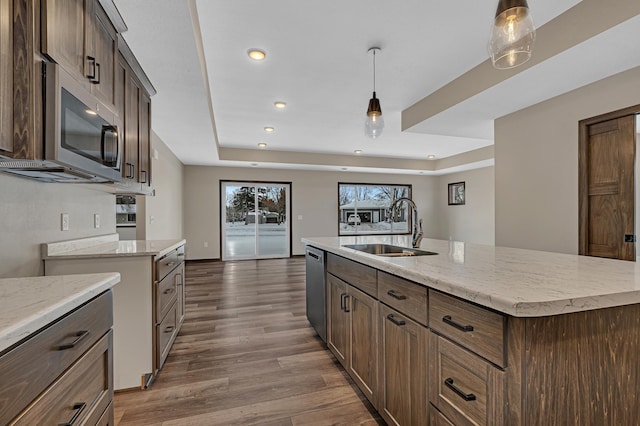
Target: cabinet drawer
<point>85,388</point>
<point>32,366</point>
<point>465,388</point>
<point>479,329</point>
<point>407,297</point>
<point>106,419</point>
<point>354,273</point>
<point>166,332</point>
<point>166,264</point>
<point>166,293</point>
<point>436,418</point>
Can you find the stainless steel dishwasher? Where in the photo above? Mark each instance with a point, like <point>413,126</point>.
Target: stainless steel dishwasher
<point>316,293</point>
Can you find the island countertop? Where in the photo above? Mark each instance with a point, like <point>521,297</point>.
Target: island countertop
<point>28,304</point>
<point>517,282</point>
<point>108,246</point>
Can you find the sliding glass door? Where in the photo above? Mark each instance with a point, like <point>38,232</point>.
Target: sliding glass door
<point>255,220</point>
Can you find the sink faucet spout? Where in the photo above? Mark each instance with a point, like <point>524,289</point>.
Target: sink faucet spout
<point>416,237</point>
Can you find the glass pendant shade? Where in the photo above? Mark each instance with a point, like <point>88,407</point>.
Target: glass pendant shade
<point>513,34</point>
<point>374,123</point>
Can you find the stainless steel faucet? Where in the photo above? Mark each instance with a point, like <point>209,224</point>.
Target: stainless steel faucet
<point>416,238</point>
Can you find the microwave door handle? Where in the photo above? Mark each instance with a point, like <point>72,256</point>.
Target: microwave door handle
<point>109,129</point>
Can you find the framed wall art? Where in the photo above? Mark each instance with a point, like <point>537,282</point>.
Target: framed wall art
<point>457,195</point>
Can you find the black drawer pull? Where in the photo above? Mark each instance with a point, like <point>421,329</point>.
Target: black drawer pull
<point>167,291</point>
<point>97,79</point>
<point>447,319</point>
<point>342,296</point>
<point>393,319</point>
<point>169,329</point>
<point>79,336</point>
<point>395,295</point>
<point>346,307</point>
<point>465,396</point>
<point>78,407</point>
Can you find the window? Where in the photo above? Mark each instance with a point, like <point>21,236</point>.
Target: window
<point>365,209</point>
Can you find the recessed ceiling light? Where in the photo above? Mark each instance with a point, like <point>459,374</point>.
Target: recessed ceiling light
<point>256,54</point>
<point>431,157</point>
<point>262,145</point>
<point>357,151</point>
<point>269,129</point>
<point>280,104</point>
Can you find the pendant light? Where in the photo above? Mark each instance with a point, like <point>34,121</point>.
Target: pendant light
<point>374,122</point>
<point>512,34</point>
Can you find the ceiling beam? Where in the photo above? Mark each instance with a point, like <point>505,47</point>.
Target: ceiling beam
<point>582,22</point>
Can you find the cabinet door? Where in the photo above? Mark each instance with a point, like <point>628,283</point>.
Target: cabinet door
<point>6,76</point>
<point>102,41</point>
<point>337,318</point>
<point>63,35</point>
<point>180,286</point>
<point>144,154</point>
<point>131,123</point>
<point>403,366</point>
<point>363,366</point>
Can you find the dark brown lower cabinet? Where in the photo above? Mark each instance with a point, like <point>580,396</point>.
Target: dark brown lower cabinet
<point>403,369</point>
<point>352,333</point>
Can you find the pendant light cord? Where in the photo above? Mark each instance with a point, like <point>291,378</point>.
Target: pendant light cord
<point>374,70</point>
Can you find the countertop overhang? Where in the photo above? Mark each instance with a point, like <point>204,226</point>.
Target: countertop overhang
<point>517,282</point>
<point>28,304</point>
<point>108,246</point>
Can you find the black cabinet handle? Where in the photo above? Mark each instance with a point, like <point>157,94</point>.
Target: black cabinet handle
<point>466,396</point>
<point>447,319</point>
<point>169,329</point>
<point>79,336</point>
<point>168,291</point>
<point>78,407</point>
<point>346,307</point>
<point>129,171</point>
<point>393,319</point>
<point>145,176</point>
<point>395,295</point>
<point>342,296</point>
<point>97,79</point>
<point>92,62</point>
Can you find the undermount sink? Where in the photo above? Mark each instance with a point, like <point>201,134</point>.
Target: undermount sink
<point>389,250</point>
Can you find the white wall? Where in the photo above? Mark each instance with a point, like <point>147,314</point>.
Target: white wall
<point>30,213</point>
<point>160,217</point>
<point>314,195</point>
<point>536,166</point>
<point>473,222</point>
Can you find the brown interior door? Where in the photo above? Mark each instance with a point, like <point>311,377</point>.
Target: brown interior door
<point>607,165</point>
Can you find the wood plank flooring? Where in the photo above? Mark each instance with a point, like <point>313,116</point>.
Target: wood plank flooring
<point>247,355</point>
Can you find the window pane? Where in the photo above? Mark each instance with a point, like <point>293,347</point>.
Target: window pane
<point>365,209</point>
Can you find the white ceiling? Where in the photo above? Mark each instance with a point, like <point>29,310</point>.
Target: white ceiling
<point>317,62</point>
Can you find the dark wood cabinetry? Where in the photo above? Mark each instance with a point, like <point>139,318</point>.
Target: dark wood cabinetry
<point>62,372</point>
<point>6,76</point>
<point>78,35</point>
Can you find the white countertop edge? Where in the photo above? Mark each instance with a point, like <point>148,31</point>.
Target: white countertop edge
<point>501,304</point>
<point>26,326</point>
<point>111,249</point>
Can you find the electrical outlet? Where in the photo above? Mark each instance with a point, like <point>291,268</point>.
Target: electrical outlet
<point>206,244</point>
<point>65,221</point>
<point>96,220</point>
<point>151,219</point>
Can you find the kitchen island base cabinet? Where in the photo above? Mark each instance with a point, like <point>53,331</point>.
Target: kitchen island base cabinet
<point>403,369</point>
<point>352,333</point>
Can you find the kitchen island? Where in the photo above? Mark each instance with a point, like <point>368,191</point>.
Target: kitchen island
<point>148,303</point>
<point>508,336</point>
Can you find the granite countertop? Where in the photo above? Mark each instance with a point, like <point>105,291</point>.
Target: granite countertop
<point>108,246</point>
<point>522,283</point>
<point>28,304</point>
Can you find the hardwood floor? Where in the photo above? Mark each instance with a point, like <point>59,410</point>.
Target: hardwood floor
<point>247,355</point>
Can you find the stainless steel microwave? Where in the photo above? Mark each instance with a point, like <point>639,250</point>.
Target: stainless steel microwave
<point>80,132</point>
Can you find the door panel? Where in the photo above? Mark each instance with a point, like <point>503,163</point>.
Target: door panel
<point>363,365</point>
<point>337,318</point>
<point>607,174</point>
